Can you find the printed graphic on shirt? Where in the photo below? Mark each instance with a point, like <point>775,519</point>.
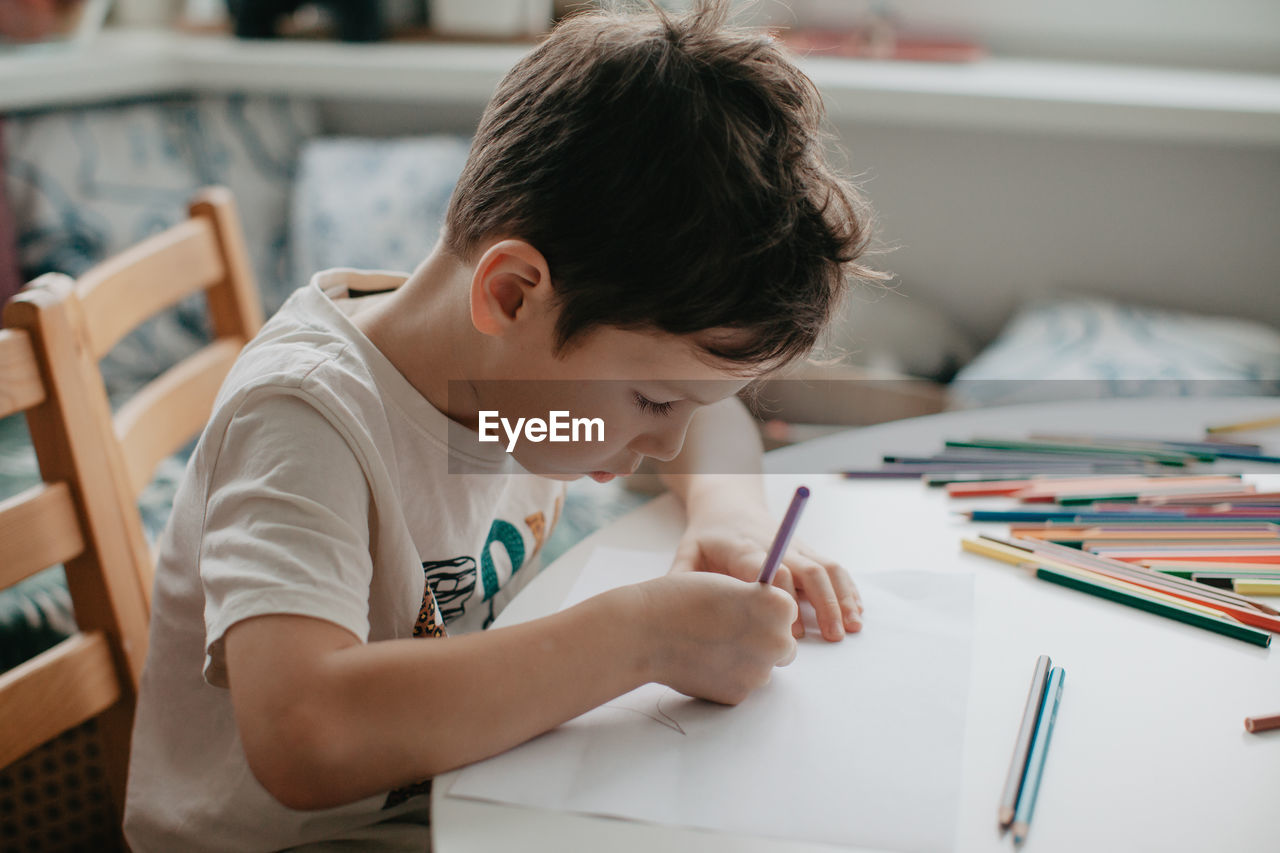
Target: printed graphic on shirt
<point>429,623</point>
<point>505,534</point>
<point>452,582</point>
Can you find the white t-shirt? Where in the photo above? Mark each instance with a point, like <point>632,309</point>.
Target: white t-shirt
<point>324,485</point>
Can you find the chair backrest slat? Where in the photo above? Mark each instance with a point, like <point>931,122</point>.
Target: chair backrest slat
<point>38,529</point>
<point>125,291</point>
<point>165,413</point>
<point>56,690</point>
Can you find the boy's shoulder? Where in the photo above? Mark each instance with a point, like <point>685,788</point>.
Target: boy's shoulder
<point>312,351</point>
<point>312,332</point>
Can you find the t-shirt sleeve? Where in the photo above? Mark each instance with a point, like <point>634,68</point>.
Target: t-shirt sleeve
<point>286,528</point>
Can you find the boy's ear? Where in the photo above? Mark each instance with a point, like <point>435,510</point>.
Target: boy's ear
<point>508,275</point>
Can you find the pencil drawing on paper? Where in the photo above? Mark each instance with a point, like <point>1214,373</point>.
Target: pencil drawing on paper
<point>649,704</point>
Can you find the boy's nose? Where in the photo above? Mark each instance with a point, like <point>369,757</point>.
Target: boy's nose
<point>663,446</point>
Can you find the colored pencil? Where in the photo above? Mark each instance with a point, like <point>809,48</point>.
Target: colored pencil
<point>1189,568</point>
<point>1245,497</point>
<point>1093,561</point>
<point>1039,751</point>
<point>1155,493</point>
<point>1244,426</point>
<point>1262,723</point>
<point>1125,441</point>
<point>1186,615</point>
<point>783,536</point>
<point>1093,534</point>
<point>1164,457</point>
<point>1032,515</point>
<point>1203,450</point>
<point>1022,746</point>
<point>937,478</point>
<point>1205,600</point>
<point>1024,558</point>
<point>1174,557</point>
<point>881,474</point>
<point>1256,586</point>
<point>1006,460</point>
<point>1246,456</point>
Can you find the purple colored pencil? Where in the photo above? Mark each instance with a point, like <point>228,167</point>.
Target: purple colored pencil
<point>783,538</point>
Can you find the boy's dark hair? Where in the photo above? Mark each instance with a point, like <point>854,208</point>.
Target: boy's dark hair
<point>670,169</point>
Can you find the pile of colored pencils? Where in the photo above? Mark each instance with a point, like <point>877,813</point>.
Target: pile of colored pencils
<point>1139,529</point>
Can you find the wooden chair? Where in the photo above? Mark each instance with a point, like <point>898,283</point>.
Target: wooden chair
<point>75,323</point>
<point>95,465</point>
<point>70,518</point>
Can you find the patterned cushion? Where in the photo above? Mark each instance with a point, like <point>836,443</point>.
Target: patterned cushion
<point>372,203</point>
<point>85,184</point>
<point>1095,348</point>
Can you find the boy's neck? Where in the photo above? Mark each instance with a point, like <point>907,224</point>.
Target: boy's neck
<point>424,329</point>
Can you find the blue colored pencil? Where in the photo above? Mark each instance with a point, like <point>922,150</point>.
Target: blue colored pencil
<point>783,537</point>
<point>1033,516</point>
<point>1039,750</point>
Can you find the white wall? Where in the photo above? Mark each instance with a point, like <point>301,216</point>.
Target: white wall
<point>986,220</point>
<point>1214,33</point>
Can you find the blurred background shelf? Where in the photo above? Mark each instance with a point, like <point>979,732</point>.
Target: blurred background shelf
<point>1035,96</point>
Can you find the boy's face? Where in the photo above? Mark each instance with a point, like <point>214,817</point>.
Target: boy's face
<point>643,386</point>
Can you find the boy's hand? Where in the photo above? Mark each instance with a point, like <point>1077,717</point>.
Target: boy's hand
<point>731,535</point>
<point>714,637</point>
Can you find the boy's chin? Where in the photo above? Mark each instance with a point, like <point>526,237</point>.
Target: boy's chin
<point>600,476</point>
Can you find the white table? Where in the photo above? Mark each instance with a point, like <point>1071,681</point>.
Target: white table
<point>1149,752</point>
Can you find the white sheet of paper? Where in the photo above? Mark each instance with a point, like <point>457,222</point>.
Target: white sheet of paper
<point>856,743</point>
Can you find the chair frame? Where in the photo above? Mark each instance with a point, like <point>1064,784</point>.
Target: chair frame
<point>95,466</point>
<point>70,518</point>
<point>77,322</point>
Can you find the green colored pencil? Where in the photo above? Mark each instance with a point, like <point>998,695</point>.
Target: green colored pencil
<point>1164,457</point>
<point>1160,608</point>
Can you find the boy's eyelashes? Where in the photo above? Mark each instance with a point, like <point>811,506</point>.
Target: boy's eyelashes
<point>651,407</point>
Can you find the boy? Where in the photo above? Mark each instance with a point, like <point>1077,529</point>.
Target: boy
<point>646,223</point>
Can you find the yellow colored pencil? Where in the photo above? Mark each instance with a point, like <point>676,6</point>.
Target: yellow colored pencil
<point>1244,426</point>
<point>1256,587</point>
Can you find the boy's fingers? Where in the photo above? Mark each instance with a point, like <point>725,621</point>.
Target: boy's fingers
<point>783,580</point>
<point>846,589</point>
<point>747,563</point>
<point>813,579</point>
<point>847,594</point>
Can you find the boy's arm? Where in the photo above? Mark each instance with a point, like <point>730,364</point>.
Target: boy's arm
<point>326,720</point>
<point>718,476</point>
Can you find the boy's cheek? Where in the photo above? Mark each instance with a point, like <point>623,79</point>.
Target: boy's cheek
<point>570,460</point>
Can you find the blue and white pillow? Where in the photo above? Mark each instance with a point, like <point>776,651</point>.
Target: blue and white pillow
<point>373,203</point>
<point>85,184</point>
<point>1086,348</point>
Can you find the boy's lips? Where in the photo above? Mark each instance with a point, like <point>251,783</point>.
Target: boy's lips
<point>606,476</point>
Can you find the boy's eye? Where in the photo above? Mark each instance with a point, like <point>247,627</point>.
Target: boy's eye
<point>650,407</point>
